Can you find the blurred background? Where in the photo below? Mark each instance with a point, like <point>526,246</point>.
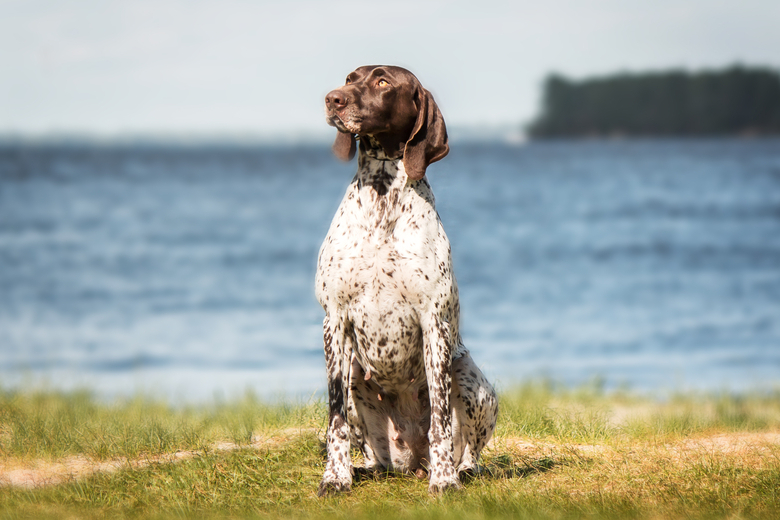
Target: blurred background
<point>612,194</point>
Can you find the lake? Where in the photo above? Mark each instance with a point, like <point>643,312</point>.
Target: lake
<point>187,271</point>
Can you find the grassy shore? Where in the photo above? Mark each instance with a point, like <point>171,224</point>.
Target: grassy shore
<point>557,453</point>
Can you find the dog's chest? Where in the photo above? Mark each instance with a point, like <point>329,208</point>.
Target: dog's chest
<point>379,268</point>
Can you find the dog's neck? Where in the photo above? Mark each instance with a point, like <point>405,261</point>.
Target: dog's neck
<point>381,180</point>
<point>378,169</point>
<point>370,146</point>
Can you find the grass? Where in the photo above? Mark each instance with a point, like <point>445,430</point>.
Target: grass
<point>49,425</point>
<point>558,453</point>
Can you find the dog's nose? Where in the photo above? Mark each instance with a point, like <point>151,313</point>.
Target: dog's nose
<point>336,99</point>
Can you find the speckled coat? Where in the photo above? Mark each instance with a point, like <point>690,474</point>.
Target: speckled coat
<point>402,387</point>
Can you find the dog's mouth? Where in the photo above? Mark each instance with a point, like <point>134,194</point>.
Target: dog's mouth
<point>349,126</point>
<point>335,120</point>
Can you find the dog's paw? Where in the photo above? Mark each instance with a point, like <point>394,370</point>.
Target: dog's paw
<point>440,485</point>
<point>331,487</point>
<point>360,473</point>
<point>469,473</point>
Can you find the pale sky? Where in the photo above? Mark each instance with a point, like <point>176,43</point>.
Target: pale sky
<point>259,67</point>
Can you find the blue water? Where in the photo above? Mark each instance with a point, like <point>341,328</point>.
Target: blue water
<point>188,271</point>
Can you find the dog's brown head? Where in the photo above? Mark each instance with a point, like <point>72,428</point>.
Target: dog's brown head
<point>389,104</point>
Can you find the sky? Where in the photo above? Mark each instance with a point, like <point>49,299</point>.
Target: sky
<point>262,68</point>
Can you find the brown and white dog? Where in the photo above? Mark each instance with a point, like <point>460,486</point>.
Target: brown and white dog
<point>401,385</point>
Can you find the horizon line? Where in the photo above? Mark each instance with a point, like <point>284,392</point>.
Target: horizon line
<point>475,132</point>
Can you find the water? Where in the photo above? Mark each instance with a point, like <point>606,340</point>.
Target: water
<point>188,272</point>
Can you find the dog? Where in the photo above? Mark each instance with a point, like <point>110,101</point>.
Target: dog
<point>401,386</point>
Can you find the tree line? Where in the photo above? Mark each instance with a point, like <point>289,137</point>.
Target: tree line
<point>737,100</point>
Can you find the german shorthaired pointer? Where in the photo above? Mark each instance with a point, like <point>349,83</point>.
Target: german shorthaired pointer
<point>401,385</point>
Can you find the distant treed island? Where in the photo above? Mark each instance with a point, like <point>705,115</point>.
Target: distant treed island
<point>736,101</point>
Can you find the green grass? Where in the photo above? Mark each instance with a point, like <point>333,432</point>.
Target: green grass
<point>49,425</point>
<point>587,413</point>
<point>638,471</point>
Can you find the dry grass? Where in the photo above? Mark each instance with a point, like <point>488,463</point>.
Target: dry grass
<point>35,473</point>
<point>557,453</point>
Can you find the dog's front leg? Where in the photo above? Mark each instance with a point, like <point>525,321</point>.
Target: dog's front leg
<point>338,468</point>
<point>438,370</point>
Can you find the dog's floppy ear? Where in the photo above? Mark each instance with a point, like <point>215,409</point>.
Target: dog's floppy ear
<point>428,142</point>
<point>344,146</point>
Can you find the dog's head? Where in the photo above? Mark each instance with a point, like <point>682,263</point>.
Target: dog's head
<point>389,104</point>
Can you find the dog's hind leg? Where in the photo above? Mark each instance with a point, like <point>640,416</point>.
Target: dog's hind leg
<point>474,412</point>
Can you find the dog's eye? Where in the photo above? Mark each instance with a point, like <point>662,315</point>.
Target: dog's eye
<point>382,83</point>
<point>348,81</point>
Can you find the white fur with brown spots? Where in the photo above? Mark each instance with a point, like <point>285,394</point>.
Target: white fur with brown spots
<point>401,385</point>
